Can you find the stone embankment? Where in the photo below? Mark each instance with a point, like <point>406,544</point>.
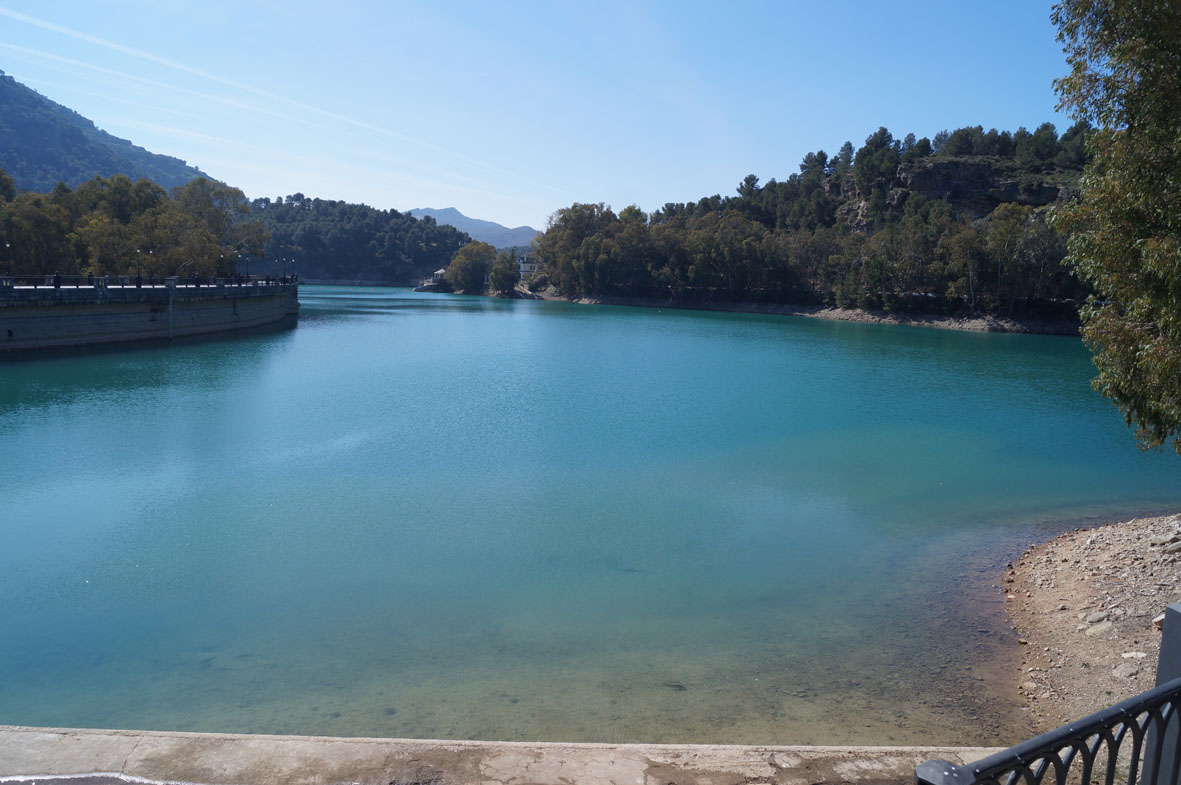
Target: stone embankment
<point>48,317</point>
<point>1088,606</point>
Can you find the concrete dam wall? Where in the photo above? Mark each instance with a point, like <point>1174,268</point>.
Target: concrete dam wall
<point>46,317</point>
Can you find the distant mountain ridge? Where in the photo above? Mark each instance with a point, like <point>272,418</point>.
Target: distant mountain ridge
<point>43,143</point>
<point>485,231</point>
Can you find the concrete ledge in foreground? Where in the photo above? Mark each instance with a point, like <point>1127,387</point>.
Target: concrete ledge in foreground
<point>46,754</point>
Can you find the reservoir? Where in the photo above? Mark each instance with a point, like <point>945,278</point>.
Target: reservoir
<point>436,516</point>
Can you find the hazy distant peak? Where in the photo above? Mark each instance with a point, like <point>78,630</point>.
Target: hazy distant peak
<point>486,231</point>
<point>440,215</point>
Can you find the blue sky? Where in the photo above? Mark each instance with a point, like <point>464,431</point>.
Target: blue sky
<point>509,111</point>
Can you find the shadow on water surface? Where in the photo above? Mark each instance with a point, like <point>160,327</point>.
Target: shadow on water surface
<point>334,304</point>
<point>284,325</point>
<point>51,376</point>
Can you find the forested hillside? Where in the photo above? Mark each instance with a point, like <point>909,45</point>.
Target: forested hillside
<point>957,224</point>
<point>342,241</point>
<point>43,143</point>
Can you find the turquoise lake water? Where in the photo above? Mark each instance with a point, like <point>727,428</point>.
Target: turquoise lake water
<point>447,517</point>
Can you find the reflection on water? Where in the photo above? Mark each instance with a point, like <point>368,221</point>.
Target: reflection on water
<point>439,516</point>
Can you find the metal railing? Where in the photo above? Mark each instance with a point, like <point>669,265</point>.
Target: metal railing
<point>138,281</point>
<point>1127,736</point>
<point>1136,741</point>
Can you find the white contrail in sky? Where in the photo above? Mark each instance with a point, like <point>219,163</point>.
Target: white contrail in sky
<point>453,178</point>
<point>150,82</point>
<point>163,61</point>
<point>34,81</point>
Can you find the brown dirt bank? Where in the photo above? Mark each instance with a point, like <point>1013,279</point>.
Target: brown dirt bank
<point>1084,605</point>
<point>988,324</point>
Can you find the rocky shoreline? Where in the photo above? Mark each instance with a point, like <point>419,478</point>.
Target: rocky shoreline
<point>979,324</point>
<point>990,324</point>
<point>1087,606</point>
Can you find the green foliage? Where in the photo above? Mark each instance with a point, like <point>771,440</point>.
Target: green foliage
<point>845,231</point>
<point>469,266</point>
<point>930,260</point>
<point>7,187</point>
<point>576,249</point>
<point>1126,78</point>
<point>1072,153</point>
<point>964,141</point>
<point>843,161</point>
<point>876,163</point>
<point>633,216</point>
<point>505,274</point>
<point>342,241</point>
<point>920,149</point>
<point>116,227</point>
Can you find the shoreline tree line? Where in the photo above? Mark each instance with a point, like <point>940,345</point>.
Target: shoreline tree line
<point>112,226</point>
<point>957,224</point>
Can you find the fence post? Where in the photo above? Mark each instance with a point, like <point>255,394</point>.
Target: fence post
<point>1167,669</point>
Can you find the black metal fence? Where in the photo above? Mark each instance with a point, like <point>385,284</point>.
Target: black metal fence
<point>138,281</point>
<point>1127,737</point>
<point>1136,741</point>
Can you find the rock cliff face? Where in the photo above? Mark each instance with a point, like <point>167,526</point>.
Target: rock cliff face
<point>973,186</point>
<point>976,186</point>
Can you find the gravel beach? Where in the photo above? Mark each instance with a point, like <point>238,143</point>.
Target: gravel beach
<point>1084,605</point>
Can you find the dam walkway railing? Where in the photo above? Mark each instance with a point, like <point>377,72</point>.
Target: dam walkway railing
<point>1133,742</point>
<point>152,281</point>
